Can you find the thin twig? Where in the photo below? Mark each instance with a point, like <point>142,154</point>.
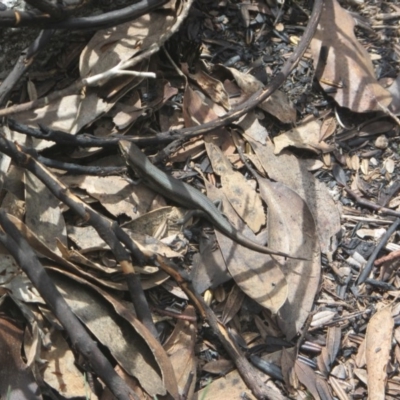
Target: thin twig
<point>394,255</point>
<point>79,85</point>
<point>364,202</point>
<point>104,76</point>
<point>74,169</point>
<point>23,63</point>
<point>368,267</point>
<point>86,140</point>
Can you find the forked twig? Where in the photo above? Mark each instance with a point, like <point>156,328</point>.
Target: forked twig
<point>102,77</point>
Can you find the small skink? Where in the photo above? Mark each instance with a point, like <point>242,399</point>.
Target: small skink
<point>185,195</point>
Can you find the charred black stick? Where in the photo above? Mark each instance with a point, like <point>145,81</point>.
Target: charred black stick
<point>109,231</point>
<point>13,18</point>
<point>23,64</point>
<point>18,247</point>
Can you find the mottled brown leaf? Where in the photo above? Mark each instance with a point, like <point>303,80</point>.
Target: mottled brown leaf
<point>16,380</point>
<point>296,236</point>
<point>343,67</point>
<point>378,344</point>
<point>258,275</point>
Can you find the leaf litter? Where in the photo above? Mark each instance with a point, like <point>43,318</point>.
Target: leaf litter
<point>323,189</point>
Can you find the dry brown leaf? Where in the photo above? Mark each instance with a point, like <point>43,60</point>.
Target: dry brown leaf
<point>195,110</point>
<point>348,161</point>
<point>277,105</point>
<point>43,213</point>
<point>88,240</point>
<point>305,136</point>
<point>209,268</point>
<point>296,236</point>
<point>131,382</point>
<point>144,338</point>
<point>287,360</point>
<point>17,381</point>
<point>13,176</point>
<point>328,127</point>
<point>290,170</point>
<point>327,159</point>
<point>75,256</point>
<point>168,121</point>
<point>343,67</point>
<point>394,90</point>
<point>155,280</point>
<point>41,247</point>
<point>218,367</point>
<point>108,47</point>
<point>180,349</point>
<point>253,128</point>
<point>315,165</point>
<point>323,388</point>
<point>328,354</point>
<point>21,288</point>
<point>128,110</point>
<point>60,372</point>
<point>389,165</point>
<point>232,305</point>
<point>211,86</point>
<point>258,275</point>
<point>307,377</point>
<point>12,205</point>
<point>378,344</point>
<point>333,342</point>
<point>243,198</point>
<point>115,193</point>
<point>129,348</point>
<point>192,148</point>
<point>149,223</point>
<point>355,162</point>
<point>322,317</point>
<point>162,92</point>
<point>365,166</point>
<point>105,50</point>
<point>68,114</point>
<point>323,362</point>
<point>33,335</point>
<point>230,386</point>
<point>374,127</point>
<point>361,374</point>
